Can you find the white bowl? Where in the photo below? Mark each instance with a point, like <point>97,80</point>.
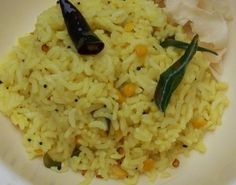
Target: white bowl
<point>216,167</point>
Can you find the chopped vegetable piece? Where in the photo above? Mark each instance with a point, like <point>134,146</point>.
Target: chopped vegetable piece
<point>148,165</point>
<point>48,162</point>
<point>199,123</point>
<point>85,41</point>
<point>183,45</point>
<point>141,50</point>
<point>128,90</point>
<point>171,78</point>
<point>204,22</point>
<point>117,171</point>
<point>76,151</point>
<point>129,27</point>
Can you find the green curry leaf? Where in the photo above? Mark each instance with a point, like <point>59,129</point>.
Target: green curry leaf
<point>183,45</point>
<point>171,78</point>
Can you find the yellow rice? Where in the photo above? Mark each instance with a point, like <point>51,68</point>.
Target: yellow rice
<point>59,98</point>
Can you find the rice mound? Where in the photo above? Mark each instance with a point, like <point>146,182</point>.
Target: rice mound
<point>60,99</point>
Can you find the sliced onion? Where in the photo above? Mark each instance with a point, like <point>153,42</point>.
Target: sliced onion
<point>202,21</point>
<point>215,59</point>
<point>219,6</point>
<point>215,74</point>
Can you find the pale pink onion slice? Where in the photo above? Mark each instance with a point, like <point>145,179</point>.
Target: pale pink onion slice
<point>211,26</point>
<point>220,6</point>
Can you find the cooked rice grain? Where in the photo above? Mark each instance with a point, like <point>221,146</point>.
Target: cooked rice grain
<point>61,99</point>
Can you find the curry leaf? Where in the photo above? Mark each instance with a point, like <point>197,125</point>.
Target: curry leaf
<point>49,162</point>
<point>171,78</point>
<point>183,45</point>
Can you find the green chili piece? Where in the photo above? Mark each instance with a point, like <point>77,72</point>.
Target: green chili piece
<point>171,78</point>
<point>183,45</point>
